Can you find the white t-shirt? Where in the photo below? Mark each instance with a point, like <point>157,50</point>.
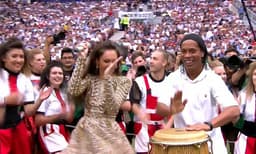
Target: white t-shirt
<point>24,86</point>
<point>35,82</point>
<point>50,133</point>
<point>202,95</point>
<point>159,89</point>
<point>52,106</point>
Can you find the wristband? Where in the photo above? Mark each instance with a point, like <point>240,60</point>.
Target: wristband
<point>209,124</point>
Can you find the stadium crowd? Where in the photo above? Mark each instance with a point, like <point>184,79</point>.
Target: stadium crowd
<point>94,21</point>
<point>182,41</point>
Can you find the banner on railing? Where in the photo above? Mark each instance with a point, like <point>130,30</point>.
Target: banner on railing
<point>137,15</point>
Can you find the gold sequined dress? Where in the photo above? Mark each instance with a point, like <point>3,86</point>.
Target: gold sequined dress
<point>97,132</point>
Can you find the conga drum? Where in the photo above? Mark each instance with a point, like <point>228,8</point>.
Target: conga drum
<point>179,141</point>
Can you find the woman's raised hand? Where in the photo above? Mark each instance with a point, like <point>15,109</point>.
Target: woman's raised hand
<point>111,68</point>
<point>83,49</point>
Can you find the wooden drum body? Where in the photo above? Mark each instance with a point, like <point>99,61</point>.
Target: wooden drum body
<point>179,141</point>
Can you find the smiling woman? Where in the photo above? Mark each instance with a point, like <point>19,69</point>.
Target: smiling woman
<point>32,69</point>
<point>16,92</point>
<point>54,111</point>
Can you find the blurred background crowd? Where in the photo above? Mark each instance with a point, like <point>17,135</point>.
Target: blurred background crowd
<point>58,27</point>
<point>220,23</point>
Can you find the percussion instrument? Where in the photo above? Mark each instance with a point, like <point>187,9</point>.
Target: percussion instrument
<point>179,141</point>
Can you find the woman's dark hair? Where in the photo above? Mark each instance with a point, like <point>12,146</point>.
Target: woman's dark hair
<point>11,43</point>
<point>44,80</point>
<point>97,52</point>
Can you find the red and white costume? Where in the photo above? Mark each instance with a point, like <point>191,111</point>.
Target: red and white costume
<point>244,144</point>
<point>152,92</point>
<point>29,120</point>
<point>13,136</point>
<point>35,79</point>
<point>53,137</point>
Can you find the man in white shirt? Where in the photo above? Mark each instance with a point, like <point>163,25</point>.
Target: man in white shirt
<point>147,91</point>
<point>200,89</point>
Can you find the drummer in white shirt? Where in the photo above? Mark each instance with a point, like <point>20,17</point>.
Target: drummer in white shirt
<point>195,91</point>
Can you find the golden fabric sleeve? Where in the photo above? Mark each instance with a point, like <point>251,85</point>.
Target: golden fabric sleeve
<point>77,84</point>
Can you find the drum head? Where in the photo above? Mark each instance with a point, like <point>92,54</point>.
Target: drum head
<point>175,136</point>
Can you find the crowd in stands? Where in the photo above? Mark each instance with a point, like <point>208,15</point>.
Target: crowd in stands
<point>94,21</point>
<point>214,22</point>
<point>59,27</point>
<point>251,4</point>
<point>33,23</point>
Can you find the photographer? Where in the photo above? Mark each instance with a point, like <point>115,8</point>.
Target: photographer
<point>54,40</point>
<point>67,57</point>
<point>235,68</point>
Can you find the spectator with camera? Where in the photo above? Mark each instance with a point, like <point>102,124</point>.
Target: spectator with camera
<point>67,57</point>
<point>67,60</point>
<point>235,69</point>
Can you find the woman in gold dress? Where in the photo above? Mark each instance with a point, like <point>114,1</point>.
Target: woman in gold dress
<point>105,91</point>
